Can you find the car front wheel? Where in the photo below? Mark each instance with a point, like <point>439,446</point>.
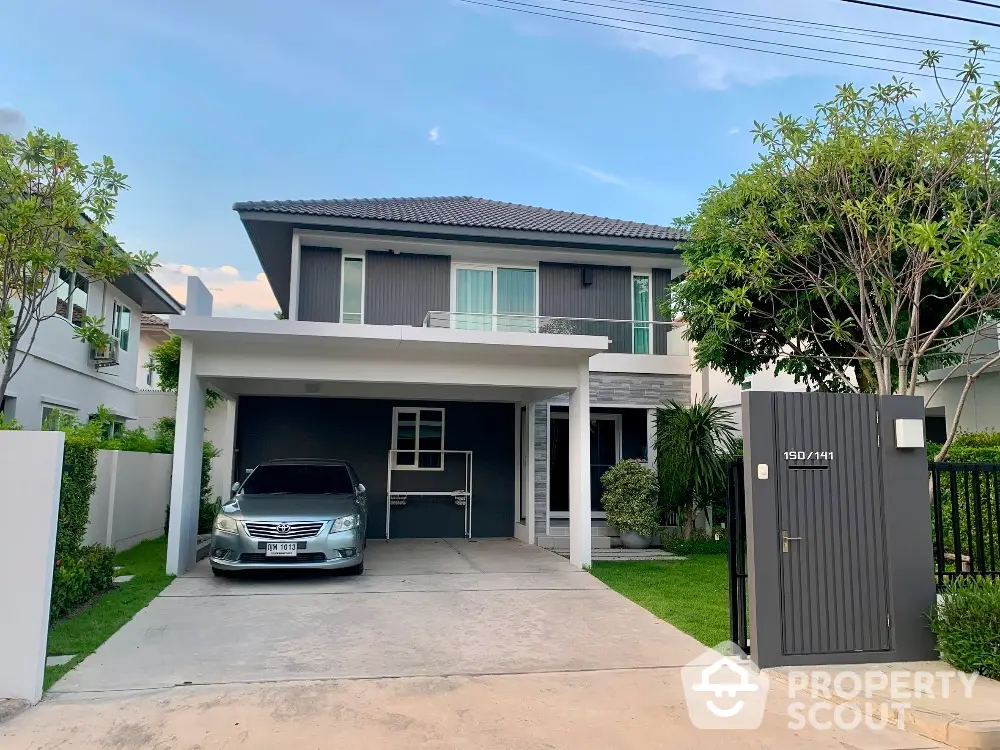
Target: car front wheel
<point>357,569</point>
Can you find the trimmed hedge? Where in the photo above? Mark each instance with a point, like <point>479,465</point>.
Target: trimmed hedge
<point>78,482</point>
<point>967,626</point>
<point>700,543</point>
<point>970,447</point>
<point>80,577</point>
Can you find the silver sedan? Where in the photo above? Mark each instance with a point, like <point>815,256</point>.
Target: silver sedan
<point>293,513</point>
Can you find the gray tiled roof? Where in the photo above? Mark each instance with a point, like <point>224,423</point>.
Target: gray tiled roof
<point>153,321</point>
<point>464,211</point>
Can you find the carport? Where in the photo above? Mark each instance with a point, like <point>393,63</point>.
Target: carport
<point>310,388</point>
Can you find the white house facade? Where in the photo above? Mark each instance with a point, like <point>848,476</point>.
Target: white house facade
<point>448,348</point>
<point>62,374</point>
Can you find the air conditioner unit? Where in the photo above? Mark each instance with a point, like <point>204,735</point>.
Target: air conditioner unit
<point>105,356</point>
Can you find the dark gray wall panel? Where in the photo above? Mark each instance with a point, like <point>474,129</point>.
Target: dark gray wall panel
<point>360,431</point>
<point>400,289</point>
<point>562,293</point>
<point>659,283</point>
<point>319,284</point>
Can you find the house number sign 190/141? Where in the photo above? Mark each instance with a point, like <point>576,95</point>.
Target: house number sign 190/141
<point>808,455</point>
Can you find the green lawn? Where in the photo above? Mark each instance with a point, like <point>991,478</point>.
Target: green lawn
<point>692,594</point>
<point>82,633</point>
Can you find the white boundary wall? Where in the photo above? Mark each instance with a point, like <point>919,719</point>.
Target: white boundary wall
<point>130,500</point>
<point>30,474</point>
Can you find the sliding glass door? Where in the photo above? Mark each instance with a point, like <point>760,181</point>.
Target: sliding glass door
<point>490,298</point>
<point>641,312</point>
<point>474,299</point>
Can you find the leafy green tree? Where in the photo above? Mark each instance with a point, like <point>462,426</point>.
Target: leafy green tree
<point>55,212</point>
<point>694,442</point>
<point>165,361</point>
<point>862,248</point>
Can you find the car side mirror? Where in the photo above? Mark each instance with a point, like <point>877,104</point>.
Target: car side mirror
<point>361,488</point>
<point>236,486</point>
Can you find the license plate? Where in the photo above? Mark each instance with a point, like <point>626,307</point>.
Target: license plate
<point>281,549</point>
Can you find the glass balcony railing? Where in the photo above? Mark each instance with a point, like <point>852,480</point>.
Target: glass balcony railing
<point>627,336</point>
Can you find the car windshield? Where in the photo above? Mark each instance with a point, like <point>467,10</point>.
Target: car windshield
<point>303,479</point>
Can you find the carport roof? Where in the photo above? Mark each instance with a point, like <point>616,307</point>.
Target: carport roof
<point>281,357</point>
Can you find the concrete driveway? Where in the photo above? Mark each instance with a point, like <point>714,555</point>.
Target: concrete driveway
<point>441,643</point>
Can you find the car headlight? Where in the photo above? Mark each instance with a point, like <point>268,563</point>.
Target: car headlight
<point>226,524</point>
<point>345,524</point>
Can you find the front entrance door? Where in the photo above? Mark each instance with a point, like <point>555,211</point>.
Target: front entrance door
<point>831,527</point>
<point>605,452</point>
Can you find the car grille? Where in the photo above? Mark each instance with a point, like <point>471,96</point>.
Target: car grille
<point>304,557</point>
<point>304,530</point>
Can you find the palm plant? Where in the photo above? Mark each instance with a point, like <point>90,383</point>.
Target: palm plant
<point>693,444</point>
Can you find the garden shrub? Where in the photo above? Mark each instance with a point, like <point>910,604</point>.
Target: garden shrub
<point>79,577</point>
<point>630,497</point>
<point>700,543</point>
<point>967,625</point>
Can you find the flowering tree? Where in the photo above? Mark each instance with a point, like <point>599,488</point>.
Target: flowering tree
<point>54,215</point>
<point>861,250</point>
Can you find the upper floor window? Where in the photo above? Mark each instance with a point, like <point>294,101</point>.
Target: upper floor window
<point>642,310</point>
<point>121,324</point>
<point>488,298</point>
<point>352,290</point>
<point>72,293</point>
<point>418,439</point>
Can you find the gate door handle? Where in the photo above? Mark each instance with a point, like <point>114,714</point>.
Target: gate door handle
<point>785,539</point>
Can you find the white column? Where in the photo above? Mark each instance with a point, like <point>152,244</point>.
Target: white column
<point>294,275</point>
<point>31,468</point>
<point>579,469</point>
<point>185,483</point>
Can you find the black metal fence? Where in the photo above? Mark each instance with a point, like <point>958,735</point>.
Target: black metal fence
<point>736,526</point>
<point>965,508</point>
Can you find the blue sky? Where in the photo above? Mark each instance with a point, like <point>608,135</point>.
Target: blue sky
<point>207,103</point>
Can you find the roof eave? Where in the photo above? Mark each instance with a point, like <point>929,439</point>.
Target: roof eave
<point>466,233</point>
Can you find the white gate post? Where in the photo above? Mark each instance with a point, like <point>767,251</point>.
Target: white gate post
<point>579,469</point>
<point>31,467</point>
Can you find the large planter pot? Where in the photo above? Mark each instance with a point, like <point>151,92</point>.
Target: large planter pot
<point>635,540</point>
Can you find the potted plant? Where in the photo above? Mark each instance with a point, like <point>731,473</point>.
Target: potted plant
<point>630,501</point>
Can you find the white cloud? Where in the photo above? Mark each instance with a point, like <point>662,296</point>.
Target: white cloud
<point>733,130</point>
<point>235,296</point>
<point>434,135</point>
<point>600,176</point>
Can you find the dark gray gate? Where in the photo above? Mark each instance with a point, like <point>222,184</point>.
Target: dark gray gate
<point>830,524</point>
<point>839,560</point>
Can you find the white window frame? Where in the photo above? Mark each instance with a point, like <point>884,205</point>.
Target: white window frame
<point>396,411</point>
<point>116,331</point>
<point>69,412</point>
<point>494,268</point>
<point>71,291</point>
<point>648,275</point>
<point>364,270</point>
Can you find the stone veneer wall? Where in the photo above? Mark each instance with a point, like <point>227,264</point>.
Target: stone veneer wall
<point>606,389</point>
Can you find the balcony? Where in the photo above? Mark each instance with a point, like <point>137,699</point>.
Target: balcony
<point>643,337</point>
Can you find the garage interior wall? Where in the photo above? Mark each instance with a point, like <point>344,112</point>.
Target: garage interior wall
<point>360,432</point>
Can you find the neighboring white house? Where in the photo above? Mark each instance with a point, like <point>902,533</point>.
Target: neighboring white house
<point>153,404</point>
<point>62,374</point>
<point>728,395</point>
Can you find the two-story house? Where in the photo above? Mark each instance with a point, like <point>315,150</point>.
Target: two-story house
<point>62,374</point>
<point>480,363</point>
